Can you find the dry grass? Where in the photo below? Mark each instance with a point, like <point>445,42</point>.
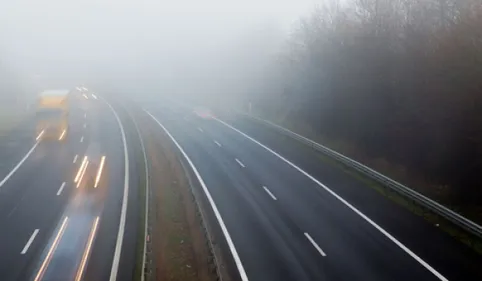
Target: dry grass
<point>180,251</point>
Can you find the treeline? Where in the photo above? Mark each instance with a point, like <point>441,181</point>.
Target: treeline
<point>399,80</point>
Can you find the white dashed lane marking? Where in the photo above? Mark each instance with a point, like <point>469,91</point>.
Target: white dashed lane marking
<point>269,192</point>
<point>61,188</point>
<point>29,242</point>
<point>240,163</point>
<point>314,244</point>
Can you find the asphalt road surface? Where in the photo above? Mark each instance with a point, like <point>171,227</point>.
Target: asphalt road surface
<point>292,216</point>
<point>63,205</point>
<point>285,214</point>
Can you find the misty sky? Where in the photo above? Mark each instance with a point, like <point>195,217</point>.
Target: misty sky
<point>146,40</point>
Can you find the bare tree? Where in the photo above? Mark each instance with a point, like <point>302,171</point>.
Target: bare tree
<point>399,80</point>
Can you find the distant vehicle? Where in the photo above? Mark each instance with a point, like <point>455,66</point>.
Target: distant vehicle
<point>203,112</point>
<point>52,114</point>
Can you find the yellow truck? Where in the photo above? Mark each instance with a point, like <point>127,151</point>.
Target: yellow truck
<point>52,115</point>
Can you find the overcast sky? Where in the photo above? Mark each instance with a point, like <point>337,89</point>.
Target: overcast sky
<point>78,38</point>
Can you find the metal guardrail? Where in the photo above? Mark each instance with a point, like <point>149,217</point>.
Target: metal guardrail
<point>403,190</point>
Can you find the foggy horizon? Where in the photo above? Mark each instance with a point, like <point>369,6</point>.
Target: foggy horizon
<point>144,44</point>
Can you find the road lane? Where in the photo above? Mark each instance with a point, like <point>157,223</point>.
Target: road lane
<point>100,264</point>
<point>36,206</point>
<point>62,257</point>
<point>458,261</point>
<point>354,243</point>
<point>270,247</point>
<point>85,250</point>
<point>353,247</point>
<point>28,202</point>
<point>34,197</point>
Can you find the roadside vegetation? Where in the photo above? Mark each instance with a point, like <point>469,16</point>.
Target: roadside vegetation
<point>396,85</point>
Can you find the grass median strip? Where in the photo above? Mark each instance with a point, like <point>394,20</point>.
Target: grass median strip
<point>180,250</point>
<point>142,195</point>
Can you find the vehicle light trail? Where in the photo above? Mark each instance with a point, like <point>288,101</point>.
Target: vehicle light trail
<point>62,135</point>
<point>80,169</point>
<point>99,172</point>
<point>51,250</point>
<point>85,256</point>
<point>82,174</point>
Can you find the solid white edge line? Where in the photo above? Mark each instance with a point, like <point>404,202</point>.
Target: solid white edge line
<point>315,244</point>
<point>217,143</point>
<point>75,158</point>
<point>9,175</point>
<point>240,163</point>
<point>367,219</point>
<point>147,194</point>
<point>61,188</point>
<point>227,236</point>
<point>29,242</point>
<point>269,192</point>
<point>122,223</point>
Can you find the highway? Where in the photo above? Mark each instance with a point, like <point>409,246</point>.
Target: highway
<point>291,216</point>
<point>63,206</point>
<point>281,212</point>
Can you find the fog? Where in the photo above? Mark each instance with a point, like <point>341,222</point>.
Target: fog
<point>395,85</point>
<point>144,47</point>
